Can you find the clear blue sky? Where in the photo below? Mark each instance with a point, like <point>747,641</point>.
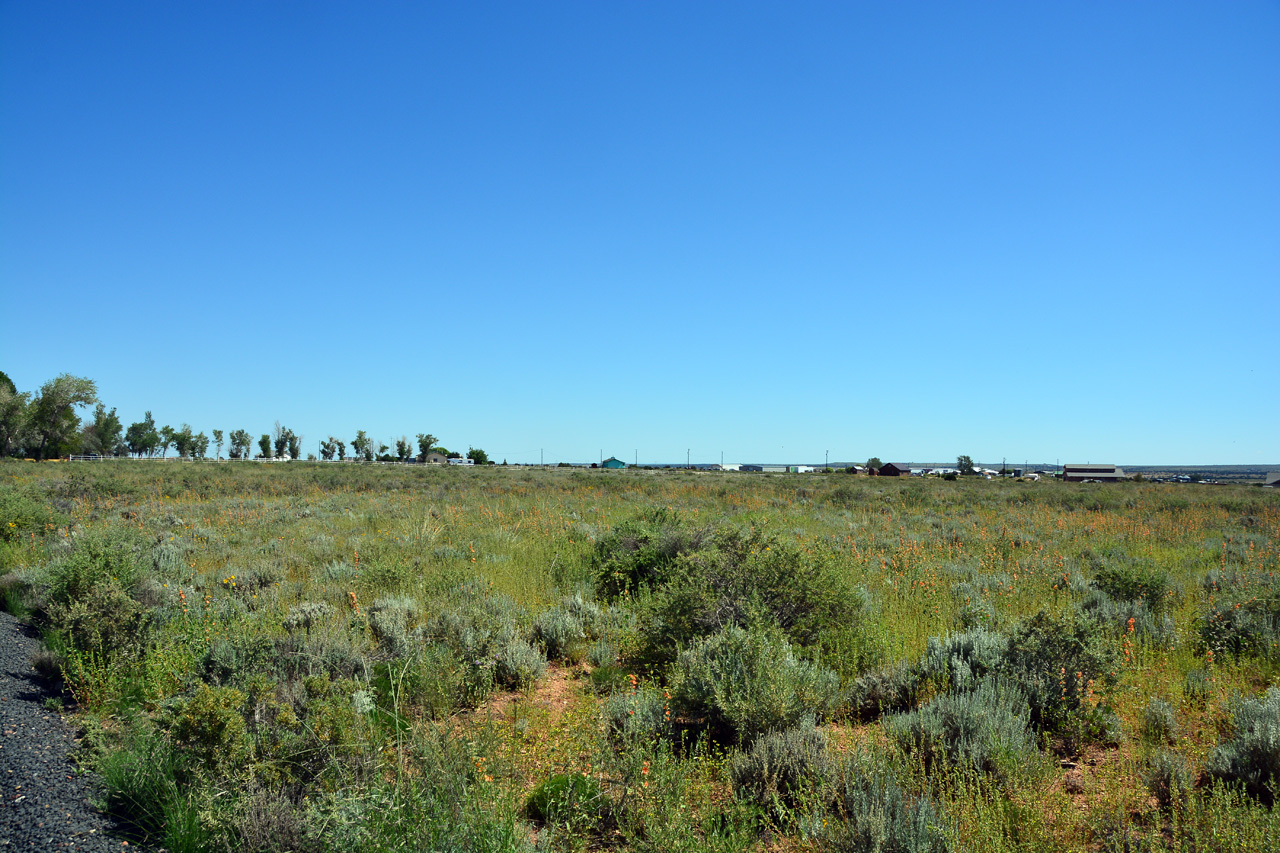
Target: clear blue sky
<point>911,230</point>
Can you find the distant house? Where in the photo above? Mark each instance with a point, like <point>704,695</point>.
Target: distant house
<point>457,460</point>
<point>1273,480</point>
<point>437,459</point>
<point>1101,473</point>
<point>894,469</point>
<point>613,462</point>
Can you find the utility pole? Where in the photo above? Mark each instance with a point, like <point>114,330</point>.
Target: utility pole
<point>686,457</point>
<point>827,456</point>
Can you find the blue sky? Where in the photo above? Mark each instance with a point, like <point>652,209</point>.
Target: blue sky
<point>772,231</point>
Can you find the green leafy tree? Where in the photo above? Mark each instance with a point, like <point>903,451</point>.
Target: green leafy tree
<point>103,435</point>
<point>200,445</point>
<point>54,422</point>
<point>217,440</point>
<point>295,445</point>
<point>183,441</point>
<point>166,440</point>
<point>478,456</point>
<point>14,416</point>
<point>280,438</point>
<point>241,441</point>
<point>964,464</point>
<point>362,446</point>
<point>141,438</point>
<point>403,449</point>
<point>264,445</point>
<point>874,465</point>
<point>328,448</point>
<point>426,441</point>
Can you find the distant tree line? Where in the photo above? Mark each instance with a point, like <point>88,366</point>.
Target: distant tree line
<point>47,424</point>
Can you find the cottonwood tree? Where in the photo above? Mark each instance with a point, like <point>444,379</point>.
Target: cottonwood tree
<point>295,445</point>
<point>141,437</point>
<point>327,449</point>
<point>183,441</point>
<point>217,440</point>
<point>874,465</point>
<point>478,456</point>
<point>241,441</point>
<point>264,444</point>
<point>200,445</point>
<point>362,446</point>
<point>14,416</point>
<point>403,448</point>
<point>54,421</point>
<point>964,464</point>
<point>167,435</point>
<point>426,441</point>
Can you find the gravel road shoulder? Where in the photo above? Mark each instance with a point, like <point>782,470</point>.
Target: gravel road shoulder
<point>46,804</point>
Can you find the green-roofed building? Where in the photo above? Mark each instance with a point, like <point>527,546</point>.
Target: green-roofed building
<point>613,462</point>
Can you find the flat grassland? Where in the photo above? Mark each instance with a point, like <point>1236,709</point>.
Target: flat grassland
<point>343,657</point>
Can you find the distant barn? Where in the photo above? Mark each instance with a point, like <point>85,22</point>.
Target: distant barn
<point>1273,480</point>
<point>895,469</point>
<point>613,462</point>
<point>1101,473</point>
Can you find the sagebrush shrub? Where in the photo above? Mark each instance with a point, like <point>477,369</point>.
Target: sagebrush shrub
<point>885,691</point>
<point>517,664</point>
<point>1159,722</point>
<point>1168,777</point>
<point>781,768</point>
<point>1252,754</point>
<point>985,729</point>
<point>640,713</point>
<point>560,633</point>
<point>742,683</point>
<point>874,813</point>
<point>960,661</point>
<point>209,730</point>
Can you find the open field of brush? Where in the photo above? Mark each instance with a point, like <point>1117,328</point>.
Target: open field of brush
<point>342,657</point>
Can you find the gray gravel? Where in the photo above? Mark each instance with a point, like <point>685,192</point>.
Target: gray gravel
<point>46,804</point>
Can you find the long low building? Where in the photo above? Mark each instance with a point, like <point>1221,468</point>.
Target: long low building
<point>1102,473</point>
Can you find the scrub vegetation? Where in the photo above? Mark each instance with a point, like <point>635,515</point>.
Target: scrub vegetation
<point>312,657</point>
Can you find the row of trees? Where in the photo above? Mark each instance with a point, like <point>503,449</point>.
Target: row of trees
<point>47,424</point>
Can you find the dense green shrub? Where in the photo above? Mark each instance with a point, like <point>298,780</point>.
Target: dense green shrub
<point>741,576</point>
<point>570,801</point>
<point>209,730</point>
<point>1252,754</point>
<point>22,514</point>
<point>874,813</point>
<point>103,620</point>
<point>781,769</point>
<point>110,556</point>
<point>641,552</point>
<point>1054,659</point>
<point>985,729</point>
<point>742,683</point>
<point>1134,583</point>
